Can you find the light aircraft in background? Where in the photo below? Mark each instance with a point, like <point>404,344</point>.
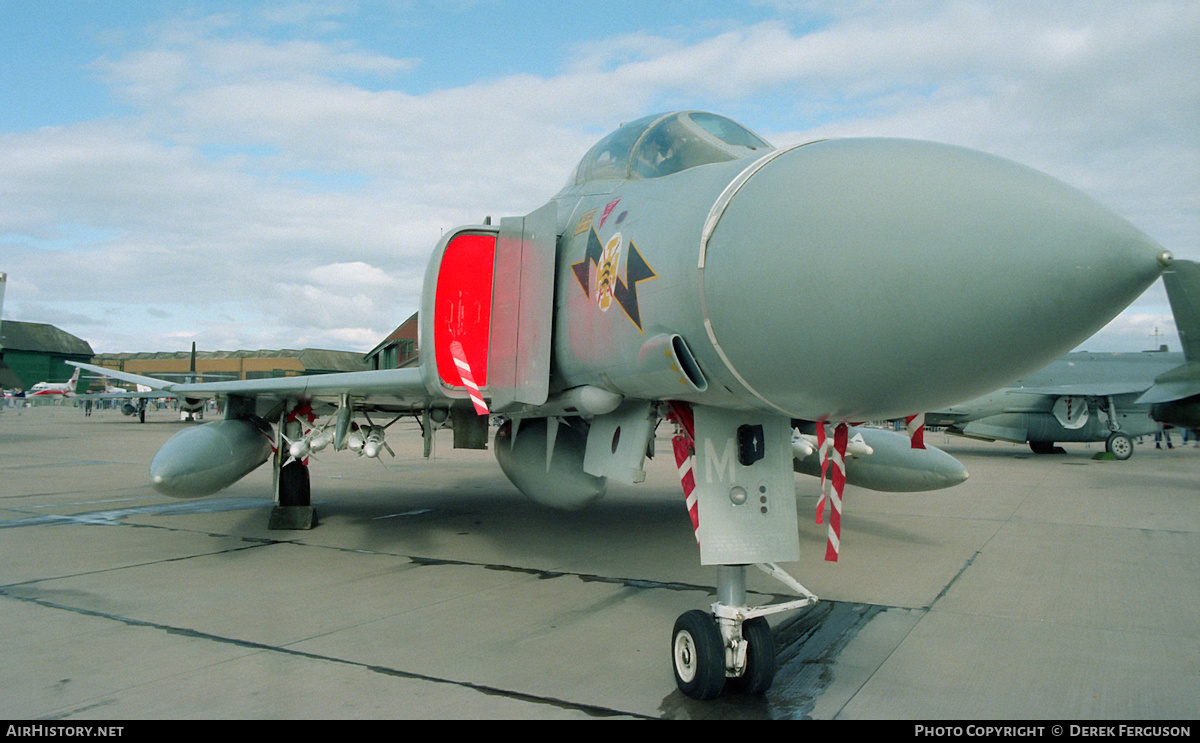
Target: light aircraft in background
<point>55,389</point>
<point>761,300</point>
<point>1092,397</point>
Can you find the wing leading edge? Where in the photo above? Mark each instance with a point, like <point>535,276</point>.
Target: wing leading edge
<point>384,389</point>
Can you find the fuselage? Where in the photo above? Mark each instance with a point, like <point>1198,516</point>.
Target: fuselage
<point>838,280</point>
<point>59,389</point>
<point>50,388</point>
<point>688,260</point>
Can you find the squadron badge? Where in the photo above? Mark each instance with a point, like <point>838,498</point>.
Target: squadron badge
<point>609,285</point>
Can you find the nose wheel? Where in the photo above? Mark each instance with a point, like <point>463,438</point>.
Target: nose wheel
<point>760,657</point>
<point>699,655</point>
<point>732,645</point>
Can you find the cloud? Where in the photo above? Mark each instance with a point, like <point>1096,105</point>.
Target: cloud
<point>271,158</point>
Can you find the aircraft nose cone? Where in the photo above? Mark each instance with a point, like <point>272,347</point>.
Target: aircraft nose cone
<point>900,276</point>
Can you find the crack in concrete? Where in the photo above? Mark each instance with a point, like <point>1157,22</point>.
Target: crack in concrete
<point>588,709</point>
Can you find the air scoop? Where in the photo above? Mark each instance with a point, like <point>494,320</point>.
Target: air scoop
<point>908,271</point>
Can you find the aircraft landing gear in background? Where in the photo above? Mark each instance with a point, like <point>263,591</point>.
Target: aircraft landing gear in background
<point>732,644</point>
<point>1119,445</point>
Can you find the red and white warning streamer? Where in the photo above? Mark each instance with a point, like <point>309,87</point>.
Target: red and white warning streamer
<point>464,371</point>
<point>684,445</point>
<point>833,459</point>
<point>823,453</point>
<point>915,424</point>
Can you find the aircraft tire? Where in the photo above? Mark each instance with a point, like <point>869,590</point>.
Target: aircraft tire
<point>760,657</point>
<point>1119,445</point>
<point>1042,447</point>
<point>698,655</point>
<point>294,486</point>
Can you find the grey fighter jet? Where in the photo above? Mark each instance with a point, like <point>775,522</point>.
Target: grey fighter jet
<point>1175,397</point>
<point>760,300</point>
<point>1092,397</point>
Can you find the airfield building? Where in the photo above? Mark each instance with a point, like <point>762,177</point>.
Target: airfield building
<point>398,350</point>
<point>214,366</point>
<point>32,352</point>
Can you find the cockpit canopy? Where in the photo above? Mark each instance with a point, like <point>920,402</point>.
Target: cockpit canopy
<point>667,143</point>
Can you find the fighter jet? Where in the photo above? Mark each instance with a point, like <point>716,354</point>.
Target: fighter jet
<point>1175,397</point>
<point>1093,397</point>
<point>759,300</point>
<point>1082,397</point>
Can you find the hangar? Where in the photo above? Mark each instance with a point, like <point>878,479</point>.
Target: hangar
<point>221,365</point>
<point>32,352</point>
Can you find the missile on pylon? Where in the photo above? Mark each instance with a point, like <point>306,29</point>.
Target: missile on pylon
<point>300,448</point>
<point>355,440</point>
<point>373,444</point>
<point>887,462</point>
<point>320,439</point>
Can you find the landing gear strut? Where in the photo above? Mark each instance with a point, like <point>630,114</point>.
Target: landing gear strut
<point>1119,444</point>
<point>732,644</point>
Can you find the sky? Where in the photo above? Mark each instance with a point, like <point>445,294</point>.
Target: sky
<point>275,175</point>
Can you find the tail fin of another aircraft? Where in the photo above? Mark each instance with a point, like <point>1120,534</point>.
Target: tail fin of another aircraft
<point>1182,281</point>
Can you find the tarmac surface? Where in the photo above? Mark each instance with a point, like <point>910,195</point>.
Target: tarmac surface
<point>1052,587</point>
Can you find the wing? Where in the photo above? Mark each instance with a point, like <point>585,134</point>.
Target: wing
<point>125,395</point>
<point>392,390</point>
<point>1177,384</point>
<point>1183,291</point>
<point>1101,390</point>
<point>1008,414</point>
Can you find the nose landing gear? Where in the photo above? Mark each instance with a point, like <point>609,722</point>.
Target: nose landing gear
<point>733,644</point>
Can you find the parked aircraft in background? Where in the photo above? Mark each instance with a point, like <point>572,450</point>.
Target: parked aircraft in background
<point>110,389</point>
<point>136,402</point>
<point>1175,396</point>
<point>1092,397</point>
<point>192,408</point>
<point>1082,397</point>
<point>691,272</point>
<point>55,389</point>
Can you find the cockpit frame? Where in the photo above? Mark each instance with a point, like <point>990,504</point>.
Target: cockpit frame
<point>664,144</point>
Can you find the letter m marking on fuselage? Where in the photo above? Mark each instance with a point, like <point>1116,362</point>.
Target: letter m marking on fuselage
<point>720,465</point>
